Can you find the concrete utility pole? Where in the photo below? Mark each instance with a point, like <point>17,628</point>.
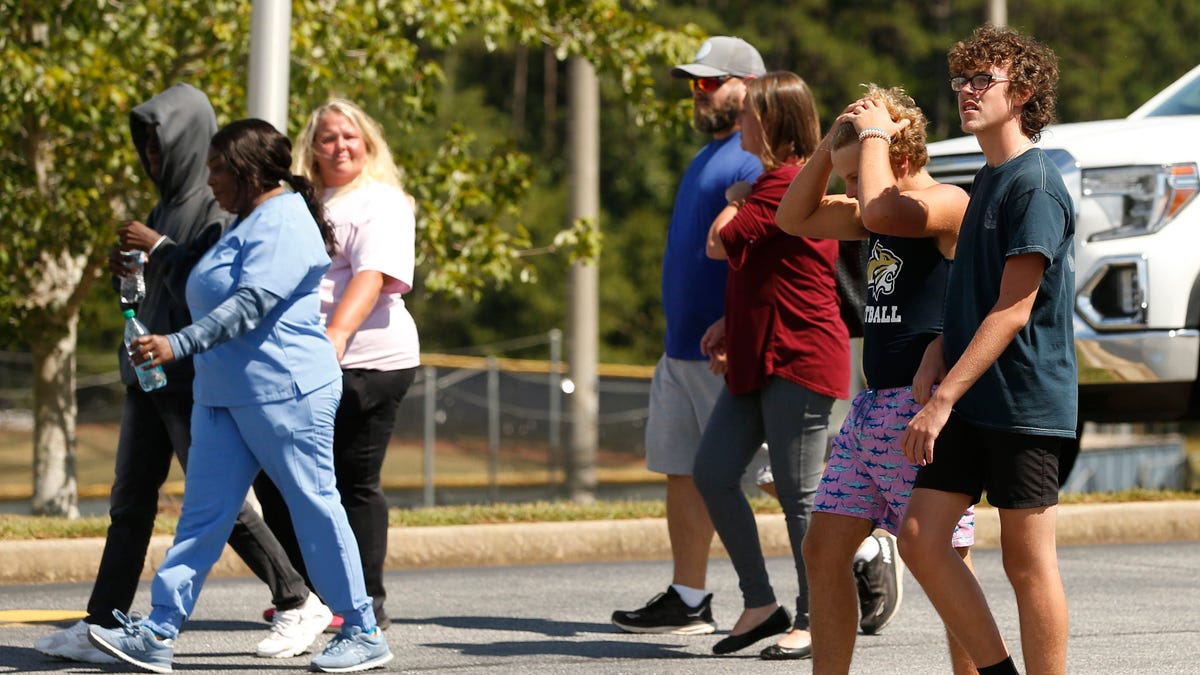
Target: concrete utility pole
<point>583,332</point>
<point>270,50</point>
<point>998,12</point>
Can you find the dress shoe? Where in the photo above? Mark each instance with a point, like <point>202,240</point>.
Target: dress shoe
<point>778,653</point>
<point>778,622</point>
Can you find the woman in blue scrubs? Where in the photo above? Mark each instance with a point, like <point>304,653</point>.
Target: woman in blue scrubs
<point>267,389</point>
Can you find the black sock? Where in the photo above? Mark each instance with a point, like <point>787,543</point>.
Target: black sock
<point>1005,667</point>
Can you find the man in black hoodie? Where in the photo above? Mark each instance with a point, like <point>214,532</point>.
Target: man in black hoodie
<point>172,132</point>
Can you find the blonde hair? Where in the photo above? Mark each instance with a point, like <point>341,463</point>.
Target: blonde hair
<point>909,143</point>
<point>378,164</point>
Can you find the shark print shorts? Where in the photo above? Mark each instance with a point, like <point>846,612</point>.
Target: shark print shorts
<point>867,475</point>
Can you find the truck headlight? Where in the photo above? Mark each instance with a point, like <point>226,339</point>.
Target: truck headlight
<point>1140,200</point>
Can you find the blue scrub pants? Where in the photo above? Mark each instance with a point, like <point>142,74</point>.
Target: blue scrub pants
<point>292,441</point>
<point>154,427</point>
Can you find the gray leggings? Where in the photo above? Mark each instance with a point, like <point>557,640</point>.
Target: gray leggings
<point>794,421</point>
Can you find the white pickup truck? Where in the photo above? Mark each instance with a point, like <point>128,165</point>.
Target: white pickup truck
<point>1137,251</point>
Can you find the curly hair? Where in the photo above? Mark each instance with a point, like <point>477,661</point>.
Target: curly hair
<point>1032,68</point>
<point>909,143</point>
<point>260,158</point>
<point>787,113</point>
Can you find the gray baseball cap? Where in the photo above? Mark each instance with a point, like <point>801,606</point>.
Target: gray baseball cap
<point>720,56</point>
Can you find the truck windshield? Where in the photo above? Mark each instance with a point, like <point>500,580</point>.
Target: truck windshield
<point>1186,101</point>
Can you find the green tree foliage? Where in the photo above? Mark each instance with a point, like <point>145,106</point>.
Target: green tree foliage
<point>68,174</point>
<point>1113,57</point>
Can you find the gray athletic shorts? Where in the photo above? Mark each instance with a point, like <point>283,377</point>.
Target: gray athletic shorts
<point>682,395</point>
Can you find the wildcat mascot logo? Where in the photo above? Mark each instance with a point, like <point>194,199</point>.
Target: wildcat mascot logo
<point>882,270</point>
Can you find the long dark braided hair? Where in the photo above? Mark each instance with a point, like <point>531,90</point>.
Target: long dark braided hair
<point>260,158</point>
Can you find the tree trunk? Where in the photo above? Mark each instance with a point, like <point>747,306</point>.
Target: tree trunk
<point>520,89</point>
<point>549,102</point>
<point>55,486</point>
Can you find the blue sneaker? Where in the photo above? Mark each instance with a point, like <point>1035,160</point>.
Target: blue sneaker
<point>133,642</point>
<point>353,650</point>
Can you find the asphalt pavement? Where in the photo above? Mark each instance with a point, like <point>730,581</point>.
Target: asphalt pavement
<point>1134,610</point>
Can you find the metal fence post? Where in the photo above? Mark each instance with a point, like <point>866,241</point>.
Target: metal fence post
<point>430,375</point>
<point>493,403</point>
<point>554,452</point>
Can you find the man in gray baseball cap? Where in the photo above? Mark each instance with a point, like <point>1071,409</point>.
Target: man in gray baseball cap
<point>684,389</point>
<point>723,56</point>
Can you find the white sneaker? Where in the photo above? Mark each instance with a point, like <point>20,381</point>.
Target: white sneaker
<point>72,644</point>
<point>293,631</point>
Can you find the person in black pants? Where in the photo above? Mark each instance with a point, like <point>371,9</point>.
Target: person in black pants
<point>171,133</point>
<point>342,151</point>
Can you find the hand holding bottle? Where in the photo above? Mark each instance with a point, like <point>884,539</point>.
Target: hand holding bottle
<point>150,351</point>
<point>149,372</point>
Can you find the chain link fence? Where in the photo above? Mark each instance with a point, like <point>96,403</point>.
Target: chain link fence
<point>474,427</point>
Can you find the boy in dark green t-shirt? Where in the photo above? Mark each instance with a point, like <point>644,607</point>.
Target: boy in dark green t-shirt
<point>999,388</point>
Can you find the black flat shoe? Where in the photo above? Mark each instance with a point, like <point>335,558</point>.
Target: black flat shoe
<point>778,622</point>
<point>778,653</point>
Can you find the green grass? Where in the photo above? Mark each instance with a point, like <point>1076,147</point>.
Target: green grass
<point>14,527</point>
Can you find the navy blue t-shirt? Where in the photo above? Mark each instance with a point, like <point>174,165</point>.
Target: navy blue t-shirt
<point>1021,206</point>
<point>906,291</point>
<point>693,285</point>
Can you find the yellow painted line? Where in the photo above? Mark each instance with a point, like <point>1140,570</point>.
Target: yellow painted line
<point>10,617</point>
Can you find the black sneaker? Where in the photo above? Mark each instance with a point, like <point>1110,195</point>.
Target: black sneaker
<point>668,613</point>
<point>880,587</point>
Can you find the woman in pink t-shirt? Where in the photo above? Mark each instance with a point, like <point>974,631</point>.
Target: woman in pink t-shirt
<point>342,151</point>
<point>786,357</point>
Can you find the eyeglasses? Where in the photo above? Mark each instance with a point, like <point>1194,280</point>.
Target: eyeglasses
<point>708,84</point>
<point>979,81</point>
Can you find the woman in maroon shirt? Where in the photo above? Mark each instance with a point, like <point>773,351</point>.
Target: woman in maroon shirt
<point>786,357</point>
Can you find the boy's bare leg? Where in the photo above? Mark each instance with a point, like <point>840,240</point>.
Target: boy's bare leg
<point>829,548</point>
<point>1027,540</point>
<point>960,660</point>
<point>950,585</point>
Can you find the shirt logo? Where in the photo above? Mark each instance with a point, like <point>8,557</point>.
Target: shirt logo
<point>883,269</point>
<point>991,217</point>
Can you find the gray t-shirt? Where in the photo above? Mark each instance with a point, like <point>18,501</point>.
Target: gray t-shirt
<point>1021,206</point>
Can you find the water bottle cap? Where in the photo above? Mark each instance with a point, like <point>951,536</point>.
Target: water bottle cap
<point>128,313</point>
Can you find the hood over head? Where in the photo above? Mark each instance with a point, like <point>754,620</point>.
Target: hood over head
<point>184,122</point>
<point>187,214</point>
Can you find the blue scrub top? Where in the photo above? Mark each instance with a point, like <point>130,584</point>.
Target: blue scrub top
<point>279,249</point>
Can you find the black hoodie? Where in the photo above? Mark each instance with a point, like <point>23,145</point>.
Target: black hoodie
<point>186,213</point>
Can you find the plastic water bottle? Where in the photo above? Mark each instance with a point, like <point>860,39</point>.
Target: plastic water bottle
<point>133,287</point>
<point>149,377</point>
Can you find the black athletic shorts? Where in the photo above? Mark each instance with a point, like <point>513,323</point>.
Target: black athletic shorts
<point>1018,471</point>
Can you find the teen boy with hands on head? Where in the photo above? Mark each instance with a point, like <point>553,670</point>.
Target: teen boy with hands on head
<point>877,147</point>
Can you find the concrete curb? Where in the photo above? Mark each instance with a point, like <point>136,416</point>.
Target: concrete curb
<point>75,560</point>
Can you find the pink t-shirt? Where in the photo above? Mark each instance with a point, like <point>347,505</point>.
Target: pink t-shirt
<point>376,230</point>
